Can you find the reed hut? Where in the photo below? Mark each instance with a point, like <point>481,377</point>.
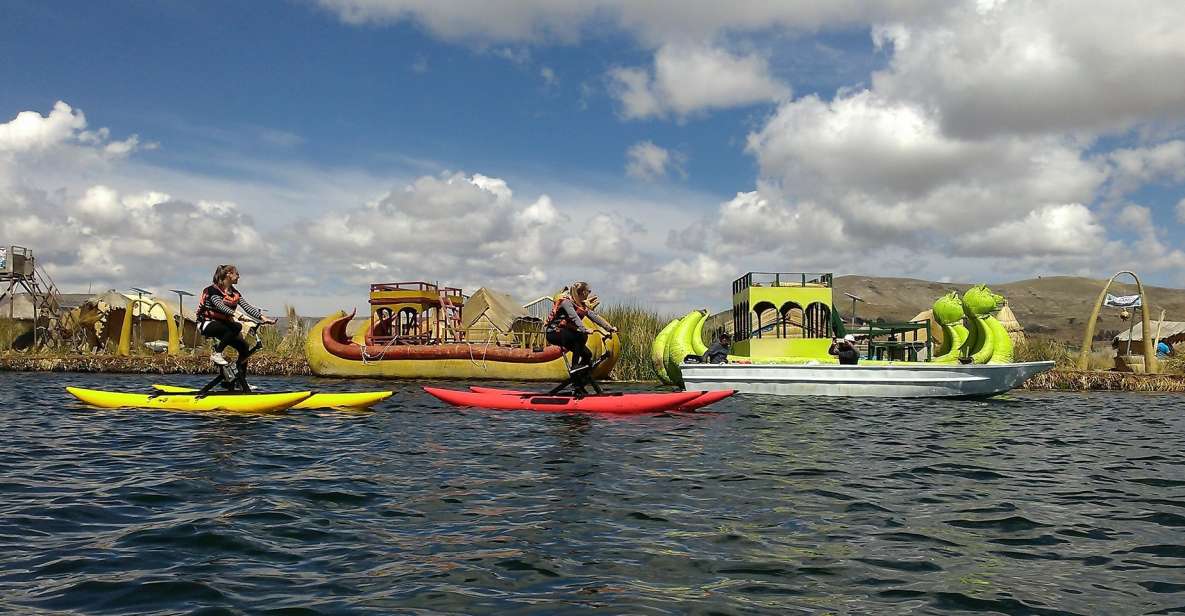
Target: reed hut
<point>1172,332</point>
<point>107,311</point>
<point>1129,344</point>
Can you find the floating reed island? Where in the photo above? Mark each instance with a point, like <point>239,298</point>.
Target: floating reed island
<point>263,363</point>
<point>1093,380</point>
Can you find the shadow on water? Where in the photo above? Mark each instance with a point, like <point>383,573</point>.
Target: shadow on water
<point>1033,503</point>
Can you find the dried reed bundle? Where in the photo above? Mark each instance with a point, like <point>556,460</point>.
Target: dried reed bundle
<point>1091,380</point>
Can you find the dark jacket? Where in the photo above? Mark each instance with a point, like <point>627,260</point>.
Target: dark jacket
<point>717,353</point>
<point>848,355</point>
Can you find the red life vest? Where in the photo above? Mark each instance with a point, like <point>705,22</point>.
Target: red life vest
<point>560,319</point>
<point>206,312</point>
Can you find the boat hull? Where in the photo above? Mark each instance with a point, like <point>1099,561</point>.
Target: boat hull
<point>226,402</point>
<point>331,353</point>
<point>350,400</point>
<point>918,380</point>
<point>617,404</point>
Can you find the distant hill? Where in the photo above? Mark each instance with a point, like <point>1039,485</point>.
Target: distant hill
<point>1053,307</point>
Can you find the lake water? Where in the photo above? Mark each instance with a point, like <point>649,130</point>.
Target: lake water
<point>1037,503</point>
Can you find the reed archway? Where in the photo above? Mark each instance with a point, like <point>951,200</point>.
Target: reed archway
<point>1150,365</point>
<point>125,332</point>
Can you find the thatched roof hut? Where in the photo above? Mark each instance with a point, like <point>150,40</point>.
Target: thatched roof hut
<point>1172,332</point>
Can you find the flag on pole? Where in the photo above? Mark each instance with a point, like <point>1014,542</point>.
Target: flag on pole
<point>1122,301</point>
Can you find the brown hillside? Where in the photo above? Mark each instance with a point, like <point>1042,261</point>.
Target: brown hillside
<point>1055,307</point>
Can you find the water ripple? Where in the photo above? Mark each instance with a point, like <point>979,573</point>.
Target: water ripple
<point>1036,503</point>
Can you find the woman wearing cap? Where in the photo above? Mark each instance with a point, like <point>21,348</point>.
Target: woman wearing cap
<point>845,349</point>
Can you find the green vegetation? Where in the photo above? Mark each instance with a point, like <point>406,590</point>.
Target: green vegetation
<point>1044,349</point>
<point>10,330</point>
<point>637,327</point>
<point>288,343</point>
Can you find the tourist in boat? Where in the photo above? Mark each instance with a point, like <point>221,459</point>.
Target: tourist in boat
<point>382,326</point>
<point>217,317</point>
<point>845,349</point>
<point>565,325</point>
<point>718,352</point>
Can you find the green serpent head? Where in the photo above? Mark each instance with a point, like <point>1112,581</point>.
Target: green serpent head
<point>948,310</point>
<point>980,301</point>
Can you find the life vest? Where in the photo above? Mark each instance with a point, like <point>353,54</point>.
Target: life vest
<point>205,312</point>
<point>559,319</point>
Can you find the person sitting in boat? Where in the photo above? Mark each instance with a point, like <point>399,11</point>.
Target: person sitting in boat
<point>718,352</point>
<point>845,349</point>
<point>383,324</point>
<point>217,317</point>
<point>565,324</point>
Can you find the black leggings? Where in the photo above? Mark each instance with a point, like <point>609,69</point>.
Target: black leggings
<point>573,341</point>
<point>227,333</point>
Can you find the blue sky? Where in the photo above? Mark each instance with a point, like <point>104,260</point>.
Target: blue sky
<point>287,80</point>
<point>656,149</point>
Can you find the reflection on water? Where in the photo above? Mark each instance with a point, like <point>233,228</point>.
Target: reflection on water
<point>1036,503</point>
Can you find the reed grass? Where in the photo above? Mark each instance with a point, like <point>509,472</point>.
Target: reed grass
<point>1044,349</point>
<point>10,330</point>
<point>637,327</point>
<point>1173,365</point>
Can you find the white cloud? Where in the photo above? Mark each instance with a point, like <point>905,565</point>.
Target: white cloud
<point>632,88</point>
<point>887,169</point>
<point>113,239</point>
<point>654,22</point>
<point>1069,229</point>
<point>1039,67</point>
<point>32,132</point>
<point>1149,252</point>
<point>647,161</point>
<point>475,232</point>
<point>550,79</point>
<point>1135,167</point>
<point>698,272</point>
<point>687,79</point>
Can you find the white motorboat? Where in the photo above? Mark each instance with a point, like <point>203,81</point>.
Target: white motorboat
<point>904,380</point>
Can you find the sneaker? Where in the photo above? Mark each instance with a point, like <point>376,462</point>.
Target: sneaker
<point>218,359</point>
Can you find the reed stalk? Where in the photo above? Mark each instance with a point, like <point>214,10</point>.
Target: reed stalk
<point>637,326</point>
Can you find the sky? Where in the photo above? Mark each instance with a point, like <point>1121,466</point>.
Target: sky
<point>656,149</point>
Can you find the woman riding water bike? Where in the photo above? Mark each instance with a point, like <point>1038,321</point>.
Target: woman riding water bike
<point>217,317</point>
<point>565,325</point>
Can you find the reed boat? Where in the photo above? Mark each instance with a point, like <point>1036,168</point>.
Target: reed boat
<point>419,330</point>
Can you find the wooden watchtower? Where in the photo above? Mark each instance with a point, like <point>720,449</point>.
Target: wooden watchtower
<point>783,314</point>
<point>19,271</point>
